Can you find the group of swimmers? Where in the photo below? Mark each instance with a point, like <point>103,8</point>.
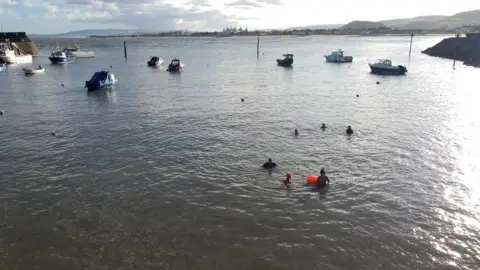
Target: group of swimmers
<point>321,182</point>
<point>349,130</point>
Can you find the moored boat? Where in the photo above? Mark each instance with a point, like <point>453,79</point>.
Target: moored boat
<point>155,61</point>
<point>15,56</point>
<point>3,67</point>
<point>287,60</point>
<point>338,57</point>
<point>175,66</point>
<point>385,67</point>
<point>60,57</point>
<point>33,71</point>
<point>75,51</point>
<point>101,80</point>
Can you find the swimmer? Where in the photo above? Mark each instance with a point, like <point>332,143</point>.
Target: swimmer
<point>323,126</point>
<point>322,180</point>
<point>296,132</point>
<point>287,182</point>
<point>269,164</point>
<point>349,130</point>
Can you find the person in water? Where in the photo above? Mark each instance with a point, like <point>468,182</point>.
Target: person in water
<point>287,182</point>
<point>322,180</point>
<point>349,130</point>
<point>296,132</point>
<point>323,126</point>
<point>269,164</point>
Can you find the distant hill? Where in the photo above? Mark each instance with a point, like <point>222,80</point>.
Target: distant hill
<point>317,26</point>
<point>421,22</point>
<point>362,25</point>
<point>98,32</point>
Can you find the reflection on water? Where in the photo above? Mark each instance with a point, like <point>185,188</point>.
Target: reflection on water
<point>164,171</point>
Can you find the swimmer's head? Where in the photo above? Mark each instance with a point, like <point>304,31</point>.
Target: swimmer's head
<point>322,171</point>
<point>288,176</point>
<point>269,160</point>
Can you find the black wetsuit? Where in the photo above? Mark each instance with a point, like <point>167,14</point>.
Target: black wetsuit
<point>269,165</point>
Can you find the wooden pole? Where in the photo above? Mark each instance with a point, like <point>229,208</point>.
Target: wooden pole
<point>411,41</point>
<point>125,48</point>
<point>455,52</point>
<point>258,47</point>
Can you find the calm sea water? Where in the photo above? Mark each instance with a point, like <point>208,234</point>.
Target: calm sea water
<point>164,171</point>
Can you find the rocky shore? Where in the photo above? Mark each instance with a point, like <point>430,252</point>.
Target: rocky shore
<point>465,49</point>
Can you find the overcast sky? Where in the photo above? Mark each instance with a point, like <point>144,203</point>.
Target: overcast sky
<point>56,16</point>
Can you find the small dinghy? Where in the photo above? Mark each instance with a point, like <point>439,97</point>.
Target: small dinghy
<point>155,61</point>
<point>3,67</point>
<point>101,80</point>
<point>33,71</point>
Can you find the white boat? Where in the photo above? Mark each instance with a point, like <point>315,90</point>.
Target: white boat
<point>3,67</point>
<point>338,57</point>
<point>385,67</point>
<point>9,56</point>
<point>75,51</point>
<point>155,61</point>
<point>32,71</point>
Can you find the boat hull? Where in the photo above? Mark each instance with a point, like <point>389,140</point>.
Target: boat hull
<point>347,59</point>
<point>29,71</point>
<point>98,87</point>
<point>285,63</point>
<point>400,70</point>
<point>19,59</point>
<point>61,60</point>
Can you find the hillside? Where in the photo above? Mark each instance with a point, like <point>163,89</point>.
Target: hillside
<point>362,25</point>
<point>99,32</point>
<point>317,26</point>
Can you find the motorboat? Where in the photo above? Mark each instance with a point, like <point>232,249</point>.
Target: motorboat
<point>60,57</point>
<point>33,71</point>
<point>287,60</point>
<point>14,55</point>
<point>3,67</point>
<point>175,66</point>
<point>75,51</point>
<point>385,67</point>
<point>338,57</point>
<point>155,61</point>
<point>101,80</point>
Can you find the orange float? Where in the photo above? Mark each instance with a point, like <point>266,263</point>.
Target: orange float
<point>311,179</point>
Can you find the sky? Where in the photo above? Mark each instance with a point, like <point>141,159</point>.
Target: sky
<point>59,16</point>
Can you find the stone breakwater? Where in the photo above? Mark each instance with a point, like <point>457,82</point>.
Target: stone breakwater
<point>465,49</point>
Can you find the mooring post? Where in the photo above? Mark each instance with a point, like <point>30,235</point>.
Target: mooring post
<point>258,47</point>
<point>411,41</point>
<point>125,48</point>
<point>455,51</point>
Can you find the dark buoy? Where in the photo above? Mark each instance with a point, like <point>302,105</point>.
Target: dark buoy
<point>110,66</point>
<point>358,95</point>
<point>296,132</point>
<point>62,85</point>
<point>349,130</point>
<point>242,100</point>
<point>2,112</point>
<point>378,82</point>
<point>53,133</point>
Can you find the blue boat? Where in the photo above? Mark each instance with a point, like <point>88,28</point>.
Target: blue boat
<point>101,80</point>
<point>3,67</point>
<point>385,67</point>
<point>60,57</point>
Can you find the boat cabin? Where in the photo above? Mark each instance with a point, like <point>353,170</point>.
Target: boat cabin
<point>385,62</point>
<point>288,56</point>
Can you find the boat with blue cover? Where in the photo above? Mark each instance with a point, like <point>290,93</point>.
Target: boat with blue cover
<point>60,57</point>
<point>101,80</point>
<point>385,67</point>
<point>3,67</point>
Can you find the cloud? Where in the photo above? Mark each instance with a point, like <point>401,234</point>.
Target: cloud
<point>50,9</point>
<point>247,4</point>
<point>77,15</point>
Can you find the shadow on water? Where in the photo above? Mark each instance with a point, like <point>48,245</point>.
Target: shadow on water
<point>102,97</point>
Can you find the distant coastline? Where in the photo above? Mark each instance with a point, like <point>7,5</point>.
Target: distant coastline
<point>383,31</point>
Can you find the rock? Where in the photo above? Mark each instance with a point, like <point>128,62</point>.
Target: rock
<point>465,49</point>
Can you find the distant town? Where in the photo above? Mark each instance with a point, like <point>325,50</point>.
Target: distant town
<point>234,31</point>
